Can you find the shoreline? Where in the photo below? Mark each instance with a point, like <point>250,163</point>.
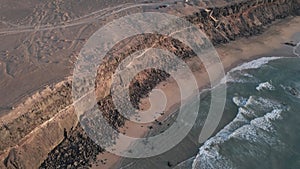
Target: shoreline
<point>229,60</point>
<point>231,54</point>
<point>233,61</point>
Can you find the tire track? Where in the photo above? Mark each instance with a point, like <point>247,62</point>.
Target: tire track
<point>79,21</point>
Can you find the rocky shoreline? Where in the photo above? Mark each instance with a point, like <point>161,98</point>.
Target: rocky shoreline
<point>73,149</point>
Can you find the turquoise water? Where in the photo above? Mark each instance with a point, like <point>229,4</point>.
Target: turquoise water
<point>266,131</point>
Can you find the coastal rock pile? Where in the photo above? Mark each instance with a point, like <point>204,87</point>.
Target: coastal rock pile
<point>75,151</point>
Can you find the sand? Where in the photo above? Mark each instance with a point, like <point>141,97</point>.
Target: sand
<point>268,44</point>
<point>41,46</point>
<point>40,41</point>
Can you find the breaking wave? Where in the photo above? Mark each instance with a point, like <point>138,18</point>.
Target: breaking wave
<point>265,86</point>
<point>265,93</point>
<point>237,75</point>
<point>253,124</point>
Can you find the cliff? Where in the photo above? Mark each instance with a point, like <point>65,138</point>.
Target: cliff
<point>44,132</point>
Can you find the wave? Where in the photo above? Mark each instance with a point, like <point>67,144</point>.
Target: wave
<point>261,134</point>
<point>239,101</point>
<point>296,49</point>
<point>254,123</point>
<point>236,75</point>
<point>265,86</point>
<point>264,133</point>
<point>255,64</point>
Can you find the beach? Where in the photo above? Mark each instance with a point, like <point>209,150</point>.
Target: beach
<point>268,44</point>
<point>50,114</point>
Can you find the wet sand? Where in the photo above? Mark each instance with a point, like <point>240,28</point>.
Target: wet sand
<point>270,43</point>
<point>34,58</point>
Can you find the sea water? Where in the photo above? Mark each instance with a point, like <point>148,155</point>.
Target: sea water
<point>260,128</point>
<point>265,134</point>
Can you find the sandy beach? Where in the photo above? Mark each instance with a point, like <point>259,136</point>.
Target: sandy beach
<point>37,64</point>
<point>268,44</point>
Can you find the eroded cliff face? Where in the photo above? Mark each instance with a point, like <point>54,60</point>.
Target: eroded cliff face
<point>51,124</point>
<point>221,25</point>
<point>36,127</point>
<point>244,19</point>
<point>41,108</point>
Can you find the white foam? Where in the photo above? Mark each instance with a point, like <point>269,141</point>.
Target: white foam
<point>265,86</point>
<point>255,64</point>
<point>248,75</point>
<point>296,49</point>
<point>245,112</point>
<point>263,104</point>
<point>254,128</point>
<point>239,101</point>
<point>263,124</point>
<point>275,115</point>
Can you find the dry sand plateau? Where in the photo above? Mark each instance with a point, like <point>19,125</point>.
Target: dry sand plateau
<point>40,42</point>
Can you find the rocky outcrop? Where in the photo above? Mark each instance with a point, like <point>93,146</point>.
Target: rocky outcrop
<point>222,25</point>
<point>75,151</point>
<point>241,19</point>
<point>33,149</point>
<point>40,108</point>
<point>36,127</point>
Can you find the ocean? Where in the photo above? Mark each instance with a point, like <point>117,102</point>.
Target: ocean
<point>265,134</point>
<point>260,127</point>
